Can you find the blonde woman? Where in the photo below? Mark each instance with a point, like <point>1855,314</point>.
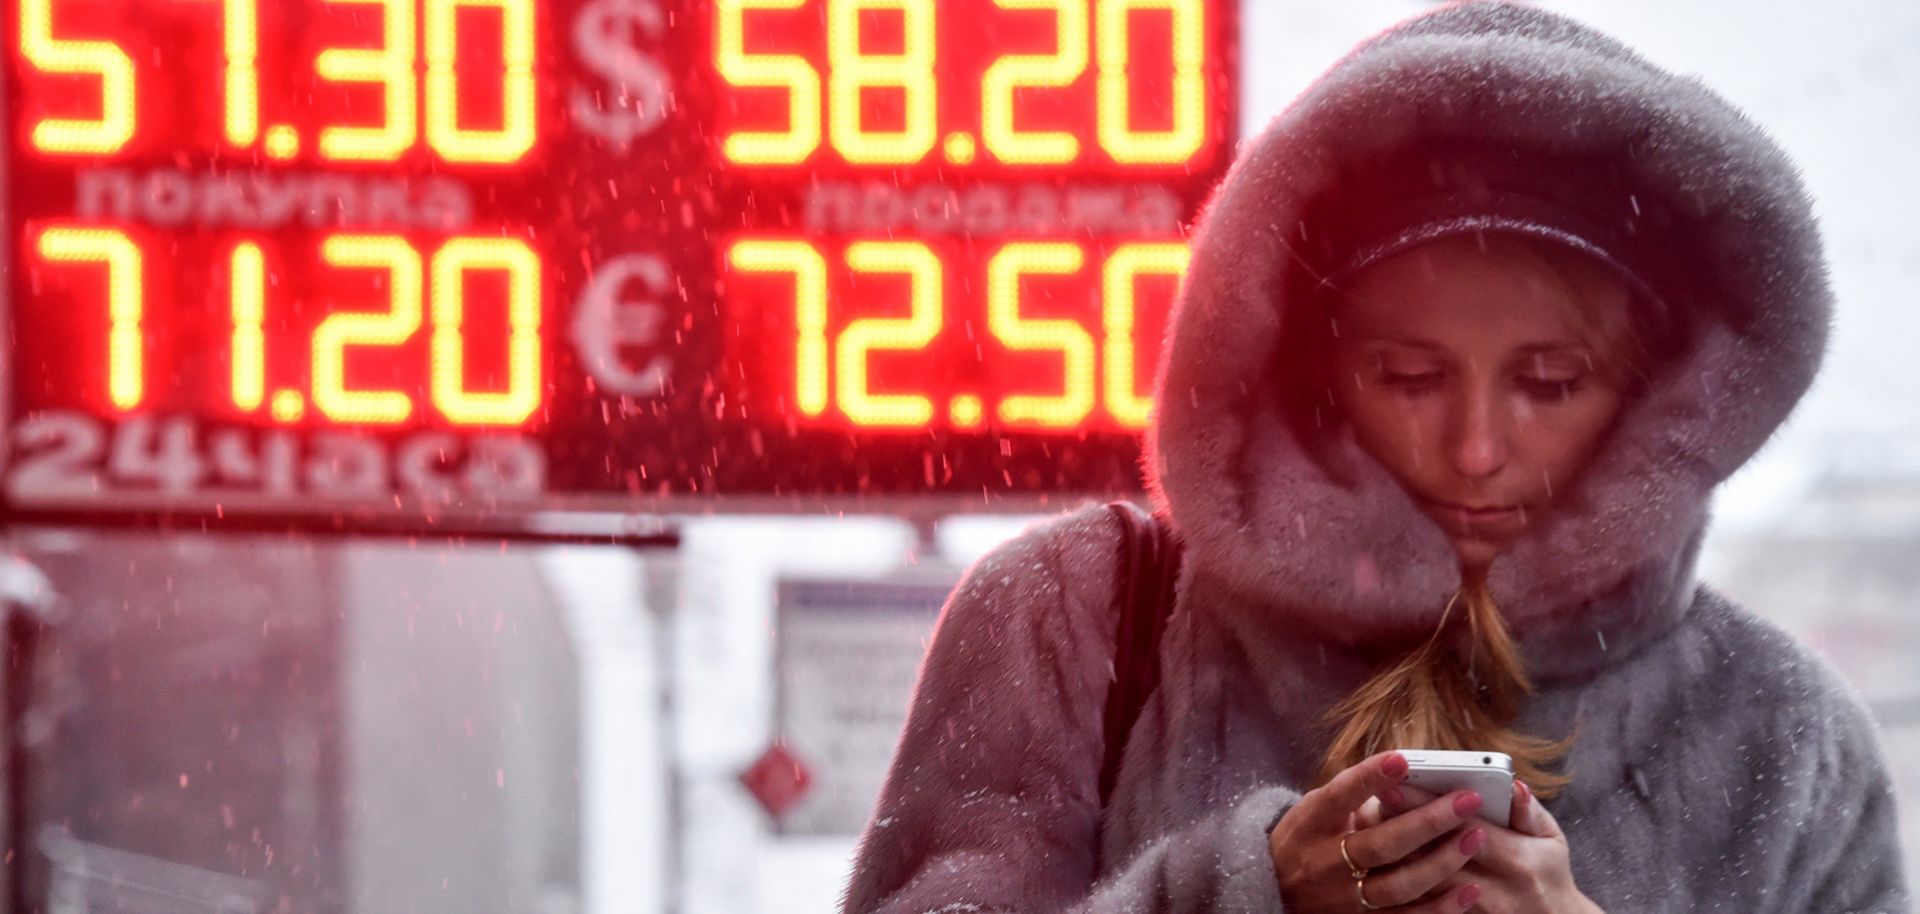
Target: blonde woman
<point>1471,333</point>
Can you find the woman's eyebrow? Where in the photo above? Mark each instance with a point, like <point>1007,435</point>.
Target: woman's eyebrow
<point>1532,352</point>
<point>1417,342</point>
<point>1549,346</point>
<point>1522,351</point>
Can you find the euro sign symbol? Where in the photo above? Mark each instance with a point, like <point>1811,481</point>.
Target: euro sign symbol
<point>609,325</point>
<point>639,91</point>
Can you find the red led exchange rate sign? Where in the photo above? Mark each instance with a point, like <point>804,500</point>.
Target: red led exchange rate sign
<point>493,256</point>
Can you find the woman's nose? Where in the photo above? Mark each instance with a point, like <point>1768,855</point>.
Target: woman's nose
<point>1480,446</point>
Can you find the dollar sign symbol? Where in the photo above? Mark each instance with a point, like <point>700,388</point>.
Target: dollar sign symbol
<point>639,90</point>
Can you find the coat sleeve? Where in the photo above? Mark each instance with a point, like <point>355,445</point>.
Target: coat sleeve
<point>991,803</point>
<point>1851,858</point>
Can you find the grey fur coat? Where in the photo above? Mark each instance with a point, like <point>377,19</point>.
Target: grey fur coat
<point>1722,765</point>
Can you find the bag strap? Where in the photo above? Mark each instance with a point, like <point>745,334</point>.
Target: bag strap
<point>1143,599</point>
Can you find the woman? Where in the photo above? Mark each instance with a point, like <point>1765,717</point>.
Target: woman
<point>1470,334</point>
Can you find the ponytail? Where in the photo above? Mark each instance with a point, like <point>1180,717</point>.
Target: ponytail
<point>1435,698</point>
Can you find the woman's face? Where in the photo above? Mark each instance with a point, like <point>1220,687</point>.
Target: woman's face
<point>1469,374</point>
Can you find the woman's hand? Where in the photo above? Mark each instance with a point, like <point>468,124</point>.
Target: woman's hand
<point>1405,874</point>
<point>1524,867</point>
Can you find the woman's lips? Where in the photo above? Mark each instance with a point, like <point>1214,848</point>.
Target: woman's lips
<point>1468,519</point>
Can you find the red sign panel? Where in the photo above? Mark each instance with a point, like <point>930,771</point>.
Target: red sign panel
<point>484,257</point>
<point>777,779</point>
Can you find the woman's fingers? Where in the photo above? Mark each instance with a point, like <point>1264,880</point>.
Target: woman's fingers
<point>1392,802</point>
<point>1393,840</point>
<point>1460,899</point>
<point>1402,798</point>
<point>1529,817</point>
<point>1369,814</point>
<point>1328,805</point>
<point>1414,879</point>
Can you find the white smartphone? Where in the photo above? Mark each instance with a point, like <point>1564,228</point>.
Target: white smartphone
<point>1489,774</point>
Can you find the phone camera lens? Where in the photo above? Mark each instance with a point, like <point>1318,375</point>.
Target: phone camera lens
<point>1486,760</point>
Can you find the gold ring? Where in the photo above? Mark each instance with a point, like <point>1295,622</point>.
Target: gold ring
<point>1360,889</point>
<point>1357,871</point>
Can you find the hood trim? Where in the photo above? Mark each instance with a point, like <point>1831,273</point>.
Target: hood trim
<point>1330,538</point>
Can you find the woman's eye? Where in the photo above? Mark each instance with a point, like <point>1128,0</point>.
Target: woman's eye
<point>1551,389</point>
<point>1419,382</point>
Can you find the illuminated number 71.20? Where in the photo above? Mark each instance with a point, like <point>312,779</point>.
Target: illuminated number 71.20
<point>402,319</point>
<point>410,298</point>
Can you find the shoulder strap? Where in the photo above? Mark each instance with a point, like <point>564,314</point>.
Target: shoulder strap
<point>1143,599</point>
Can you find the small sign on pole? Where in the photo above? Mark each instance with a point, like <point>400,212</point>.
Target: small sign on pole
<point>847,653</point>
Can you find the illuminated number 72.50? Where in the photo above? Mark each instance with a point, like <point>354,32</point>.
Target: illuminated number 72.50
<point>820,359</point>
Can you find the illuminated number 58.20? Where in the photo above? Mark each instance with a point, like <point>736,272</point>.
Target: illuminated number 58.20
<point>852,70</point>
<point>1113,30</point>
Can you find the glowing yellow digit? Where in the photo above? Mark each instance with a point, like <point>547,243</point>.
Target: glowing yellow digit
<point>126,384</point>
<point>1117,298</point>
<point>922,324</point>
<point>1179,142</point>
<point>79,136</point>
<point>392,67</point>
<point>241,38</point>
<point>444,133</point>
<point>248,271</point>
<point>774,71</point>
<point>240,44</point>
<point>809,272</point>
<point>1011,71</point>
<point>402,318</point>
<point>450,394</point>
<point>851,71</point>
<point>1066,337</point>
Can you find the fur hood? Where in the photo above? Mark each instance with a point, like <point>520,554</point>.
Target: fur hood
<point>1321,533</point>
<point>1724,766</point>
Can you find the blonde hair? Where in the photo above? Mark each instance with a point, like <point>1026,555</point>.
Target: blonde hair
<point>1439,696</point>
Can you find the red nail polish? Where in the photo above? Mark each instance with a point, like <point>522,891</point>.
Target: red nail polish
<point>1466,804</point>
<point>1469,895</point>
<point>1471,844</point>
<point>1394,766</point>
<point>1393,797</point>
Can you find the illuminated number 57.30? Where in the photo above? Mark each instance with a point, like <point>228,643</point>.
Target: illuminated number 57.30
<point>392,66</point>
<point>102,59</point>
